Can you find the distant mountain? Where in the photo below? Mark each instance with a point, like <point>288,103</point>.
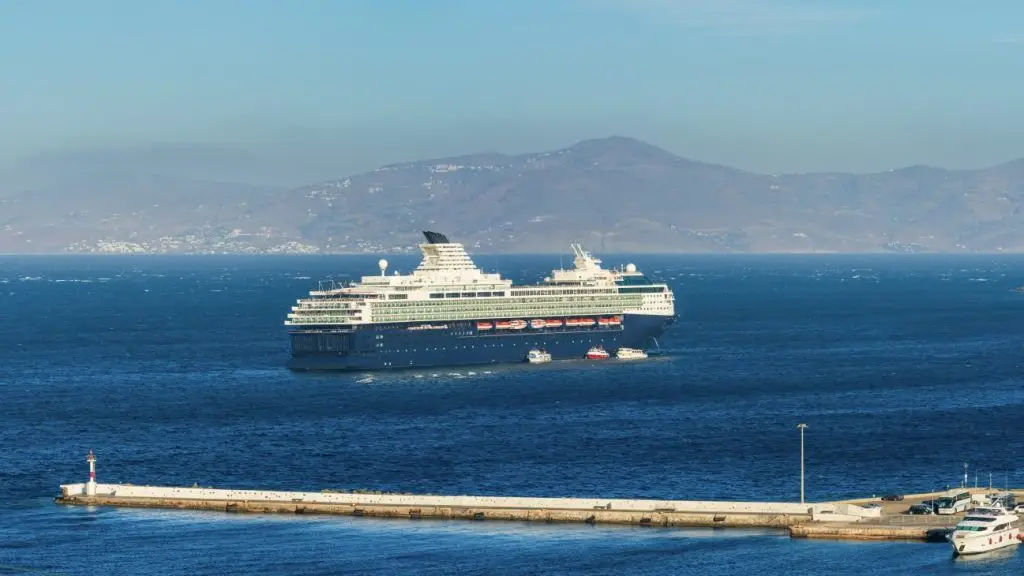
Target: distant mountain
<point>614,194</point>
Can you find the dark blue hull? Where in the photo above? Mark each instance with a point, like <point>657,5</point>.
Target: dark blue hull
<point>395,346</point>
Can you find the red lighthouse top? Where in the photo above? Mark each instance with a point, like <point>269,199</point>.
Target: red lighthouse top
<point>91,457</point>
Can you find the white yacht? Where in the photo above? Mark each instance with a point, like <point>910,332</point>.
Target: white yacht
<point>984,530</point>
<point>630,354</point>
<point>536,356</point>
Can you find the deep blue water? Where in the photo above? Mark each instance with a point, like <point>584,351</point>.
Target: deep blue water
<point>172,370</point>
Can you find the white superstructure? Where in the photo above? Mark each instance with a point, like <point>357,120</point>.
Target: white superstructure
<point>448,286</point>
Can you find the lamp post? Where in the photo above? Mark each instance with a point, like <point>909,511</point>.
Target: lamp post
<point>801,427</point>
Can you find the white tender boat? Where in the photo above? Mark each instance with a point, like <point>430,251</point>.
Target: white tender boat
<point>630,354</point>
<point>537,356</point>
<point>984,530</point>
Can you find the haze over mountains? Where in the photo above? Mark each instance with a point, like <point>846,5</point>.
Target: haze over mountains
<point>614,194</point>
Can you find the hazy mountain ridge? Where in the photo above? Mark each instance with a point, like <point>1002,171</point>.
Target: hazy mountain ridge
<point>615,194</point>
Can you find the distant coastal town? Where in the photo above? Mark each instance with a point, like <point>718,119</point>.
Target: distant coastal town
<point>230,242</point>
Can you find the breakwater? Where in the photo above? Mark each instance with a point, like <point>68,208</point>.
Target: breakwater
<point>586,510</point>
<point>863,519</point>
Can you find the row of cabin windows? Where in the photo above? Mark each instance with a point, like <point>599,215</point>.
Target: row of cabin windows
<point>640,289</point>
<point>561,292</point>
<point>625,299</point>
<point>466,294</point>
<point>474,346</point>
<point>497,312</point>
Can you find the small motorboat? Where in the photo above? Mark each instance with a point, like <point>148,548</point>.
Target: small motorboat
<point>597,353</point>
<point>538,356</point>
<point>630,354</point>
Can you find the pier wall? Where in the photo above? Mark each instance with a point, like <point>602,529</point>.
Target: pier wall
<point>407,500</point>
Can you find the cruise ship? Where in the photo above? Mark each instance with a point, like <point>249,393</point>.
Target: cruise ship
<point>448,312</point>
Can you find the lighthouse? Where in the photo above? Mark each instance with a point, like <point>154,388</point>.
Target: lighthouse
<point>90,486</point>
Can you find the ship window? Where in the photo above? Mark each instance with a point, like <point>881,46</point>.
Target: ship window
<point>437,295</point>
<point>451,295</point>
<point>468,294</point>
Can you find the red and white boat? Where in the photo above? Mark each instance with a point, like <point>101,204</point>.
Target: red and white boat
<point>537,324</point>
<point>587,322</point>
<point>615,321</point>
<point>553,323</point>
<point>484,325</point>
<point>517,324</point>
<point>597,353</point>
<point>502,324</point>
<point>603,322</point>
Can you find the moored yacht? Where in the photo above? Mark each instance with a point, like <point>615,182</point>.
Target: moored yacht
<point>984,530</point>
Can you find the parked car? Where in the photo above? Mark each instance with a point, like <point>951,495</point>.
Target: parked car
<point>919,509</point>
<point>892,497</point>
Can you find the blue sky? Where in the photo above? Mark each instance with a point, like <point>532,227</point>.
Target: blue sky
<point>769,85</point>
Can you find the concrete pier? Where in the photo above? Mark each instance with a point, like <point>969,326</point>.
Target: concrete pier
<point>582,510</point>
<point>869,531</point>
<point>862,519</point>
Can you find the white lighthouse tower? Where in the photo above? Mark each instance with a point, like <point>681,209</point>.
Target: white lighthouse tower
<point>90,486</point>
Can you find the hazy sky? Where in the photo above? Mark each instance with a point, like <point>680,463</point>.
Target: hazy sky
<point>768,85</point>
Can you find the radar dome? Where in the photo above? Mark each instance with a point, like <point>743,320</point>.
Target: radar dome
<point>383,265</point>
<point>631,268</point>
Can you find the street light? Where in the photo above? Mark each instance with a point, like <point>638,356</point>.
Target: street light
<point>801,427</point>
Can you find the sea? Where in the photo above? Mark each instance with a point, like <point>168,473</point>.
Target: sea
<point>172,370</point>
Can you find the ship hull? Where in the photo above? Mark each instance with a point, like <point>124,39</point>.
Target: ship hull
<point>461,343</point>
